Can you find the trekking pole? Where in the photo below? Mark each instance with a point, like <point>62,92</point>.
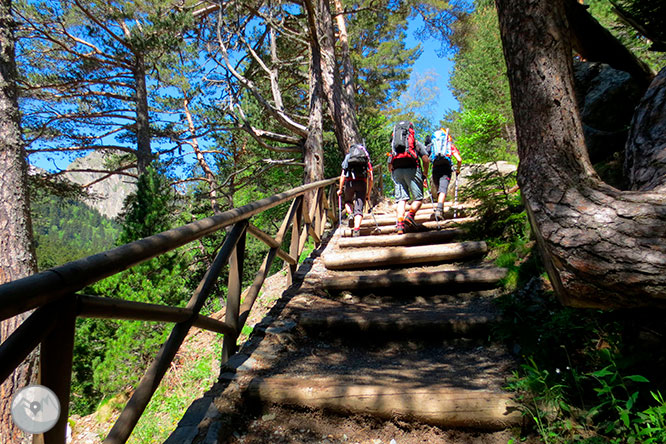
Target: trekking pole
<point>372,213</point>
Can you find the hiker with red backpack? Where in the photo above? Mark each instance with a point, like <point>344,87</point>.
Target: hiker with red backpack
<point>442,154</point>
<point>355,183</point>
<point>408,163</point>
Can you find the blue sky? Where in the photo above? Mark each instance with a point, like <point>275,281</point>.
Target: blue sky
<point>429,60</point>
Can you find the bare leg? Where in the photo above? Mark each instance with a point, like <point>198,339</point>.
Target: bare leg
<point>400,209</point>
<point>357,221</point>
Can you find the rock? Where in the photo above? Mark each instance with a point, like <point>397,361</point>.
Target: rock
<point>606,99</point>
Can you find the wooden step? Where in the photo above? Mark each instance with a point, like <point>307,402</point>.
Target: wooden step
<point>471,319</point>
<point>425,226</point>
<point>444,406</point>
<point>476,278</point>
<point>389,240</point>
<point>421,216</point>
<point>401,256</point>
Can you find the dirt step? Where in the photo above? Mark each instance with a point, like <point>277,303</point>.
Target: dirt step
<point>400,256</point>
<point>437,405</point>
<point>389,240</point>
<point>425,226</point>
<point>470,319</point>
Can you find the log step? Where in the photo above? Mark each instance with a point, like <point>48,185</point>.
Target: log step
<point>477,278</point>
<point>421,216</point>
<point>389,240</point>
<point>425,226</point>
<point>443,406</point>
<point>469,319</point>
<point>401,256</point>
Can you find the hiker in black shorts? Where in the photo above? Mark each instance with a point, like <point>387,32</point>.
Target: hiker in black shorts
<point>442,166</point>
<point>355,183</point>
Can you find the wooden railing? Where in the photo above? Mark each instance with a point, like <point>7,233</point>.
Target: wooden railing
<point>53,296</point>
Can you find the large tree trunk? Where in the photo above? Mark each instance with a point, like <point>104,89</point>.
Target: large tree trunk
<point>341,105</point>
<point>313,149</point>
<point>602,247</point>
<point>17,258</point>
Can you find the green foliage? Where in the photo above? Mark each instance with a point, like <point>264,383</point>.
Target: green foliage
<point>481,137</point>
<point>66,229</point>
<point>578,381</point>
<point>647,14</point>
<point>148,210</point>
<point>483,129</point>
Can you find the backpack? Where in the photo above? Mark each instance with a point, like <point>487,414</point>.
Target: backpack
<point>357,162</point>
<point>440,149</point>
<point>403,149</point>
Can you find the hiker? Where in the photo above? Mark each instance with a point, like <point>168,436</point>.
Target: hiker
<point>442,152</point>
<point>408,163</point>
<point>355,183</point>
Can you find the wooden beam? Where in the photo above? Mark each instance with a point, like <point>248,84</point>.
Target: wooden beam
<point>390,229</point>
<point>27,336</point>
<point>55,368</point>
<point>388,279</point>
<point>390,240</point>
<point>381,257</point>
<point>150,381</point>
<point>268,240</point>
<point>443,406</point>
<point>107,308</point>
<point>32,291</point>
<point>234,290</point>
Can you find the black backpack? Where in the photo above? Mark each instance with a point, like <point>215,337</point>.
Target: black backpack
<point>403,149</point>
<point>357,162</point>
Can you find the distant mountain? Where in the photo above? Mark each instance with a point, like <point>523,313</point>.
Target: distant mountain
<point>109,194</point>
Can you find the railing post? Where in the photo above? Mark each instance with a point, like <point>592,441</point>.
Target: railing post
<point>235,287</point>
<point>55,368</point>
<point>295,240</point>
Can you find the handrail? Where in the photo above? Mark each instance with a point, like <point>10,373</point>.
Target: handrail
<point>32,291</point>
<point>53,294</point>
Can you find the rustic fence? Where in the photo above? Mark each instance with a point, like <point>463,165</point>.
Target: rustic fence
<point>52,295</point>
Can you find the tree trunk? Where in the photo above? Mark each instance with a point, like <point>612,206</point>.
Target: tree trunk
<point>17,258</point>
<point>313,150</point>
<point>645,156</point>
<point>340,104</point>
<point>602,247</point>
<point>143,152</point>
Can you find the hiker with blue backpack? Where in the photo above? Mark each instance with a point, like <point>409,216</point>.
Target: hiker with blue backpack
<point>442,154</point>
<point>355,183</point>
<point>408,163</point>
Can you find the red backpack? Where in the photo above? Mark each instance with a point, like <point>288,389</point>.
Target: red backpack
<point>403,146</point>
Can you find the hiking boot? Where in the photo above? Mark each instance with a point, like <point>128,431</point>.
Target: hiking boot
<point>439,212</point>
<point>356,232</point>
<point>400,228</point>
<point>409,219</point>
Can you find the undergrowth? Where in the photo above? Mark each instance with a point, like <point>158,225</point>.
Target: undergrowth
<point>586,376</point>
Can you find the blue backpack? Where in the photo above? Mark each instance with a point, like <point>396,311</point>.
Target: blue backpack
<point>440,149</point>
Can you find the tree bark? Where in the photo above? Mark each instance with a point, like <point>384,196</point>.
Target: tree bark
<point>645,156</point>
<point>313,149</point>
<point>601,247</point>
<point>17,258</point>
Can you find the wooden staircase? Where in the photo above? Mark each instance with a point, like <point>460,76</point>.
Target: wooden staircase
<point>393,327</point>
